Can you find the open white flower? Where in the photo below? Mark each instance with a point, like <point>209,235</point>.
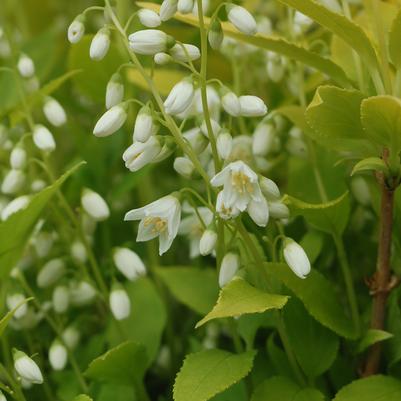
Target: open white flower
<point>160,218</point>
<point>296,258</point>
<point>27,367</point>
<point>139,154</point>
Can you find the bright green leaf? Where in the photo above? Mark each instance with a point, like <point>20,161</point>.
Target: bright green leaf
<point>207,373</point>
<point>372,336</point>
<point>238,298</point>
<point>370,164</point>
<point>394,41</point>
<point>82,397</point>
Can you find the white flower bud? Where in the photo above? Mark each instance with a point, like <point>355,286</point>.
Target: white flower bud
<point>26,367</point>
<point>215,128</point>
<point>18,158</point>
<point>215,35</point>
<point>263,139</point>
<point>71,337</point>
<point>43,243</point>
<point>183,166</point>
<point>296,258</point>
<point>31,84</point>
<point>111,121</point>
<point>140,154</point>
<point>13,301</point>
<point>224,144</point>
<point>228,269</point>
<point>25,66</point>
<point>150,41</point>
<point>94,205</point>
<point>15,206</point>
<point>231,104</point>
<point>252,106</point>
<point>184,52</point>
<point>78,252</point>
<point>100,44</point>
<point>168,9</point>
<point>128,263</point>
<point>269,189</point>
<point>180,97</point>
<point>360,190</point>
<point>81,293</point>
<point>278,210</point>
<point>13,182</point>
<point>61,299</point>
<point>275,70</point>
<point>207,242</point>
<point>76,29</point>
<point>162,58</point>
<point>58,355</point>
<point>54,112</point>
<point>241,19</point>
<point>185,6</point>
<point>120,303</point>
<point>114,91</point>
<point>51,272</point>
<point>149,18</point>
<point>43,138</point>
<point>196,139</point>
<point>144,126</point>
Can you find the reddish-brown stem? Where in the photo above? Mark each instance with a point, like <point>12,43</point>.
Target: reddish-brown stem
<point>381,284</point>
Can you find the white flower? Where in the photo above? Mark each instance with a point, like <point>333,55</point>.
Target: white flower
<point>54,112</point>
<point>184,52</point>
<point>57,355</point>
<point>111,121</point>
<point>207,242</point>
<point>215,128</point>
<point>258,211</point>
<point>15,206</point>
<point>296,258</point>
<point>241,19</point>
<point>162,58</point>
<point>231,104</point>
<point>81,293</point>
<point>71,337</point>
<point>213,102</point>
<point>25,66</point>
<point>12,182</point>
<point>61,299</point>
<point>150,41</point>
<point>226,212</point>
<point>100,44</point>
<point>205,7</point>
<point>13,301</point>
<point>114,91</point>
<point>51,272</point>
<point>263,140</point>
<point>26,367</point>
<point>278,210</point>
<point>76,29</point>
<point>228,269</point>
<point>168,9</point>
<point>224,144</point>
<point>269,189</point>
<point>180,97</point>
<point>301,22</point>
<point>183,166</point>
<point>360,190</point>
<point>149,18</point>
<point>252,106</point>
<point>18,158</point>
<point>185,6</point>
<point>192,227</point>
<point>140,154</point>
<point>38,185</point>
<point>94,205</point>
<point>160,218</point>
<point>43,243</point>
<point>78,251</point>
<point>128,263</point>
<point>2,396</point>
<point>196,139</point>
<point>120,303</point>
<point>144,126</point>
<point>43,138</point>
<point>275,70</point>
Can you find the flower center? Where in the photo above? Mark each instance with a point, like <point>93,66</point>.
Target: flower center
<point>159,224</point>
<point>241,182</point>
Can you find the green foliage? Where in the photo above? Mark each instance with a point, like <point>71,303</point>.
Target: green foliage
<point>82,397</point>
<point>207,373</point>
<point>372,336</point>
<point>394,37</point>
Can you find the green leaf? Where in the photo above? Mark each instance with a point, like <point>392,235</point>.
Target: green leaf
<point>124,364</point>
<point>394,41</point>
<point>82,397</point>
<point>370,164</point>
<point>381,119</point>
<point>238,298</point>
<point>315,347</point>
<point>139,327</point>
<point>334,115</point>
<point>17,229</point>
<point>341,26</point>
<point>318,297</point>
<point>312,243</point>
<point>7,317</point>
<point>195,287</point>
<point>373,388</point>
<point>270,43</point>
<point>330,217</point>
<point>372,336</point>
<point>207,373</point>
<point>283,389</point>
